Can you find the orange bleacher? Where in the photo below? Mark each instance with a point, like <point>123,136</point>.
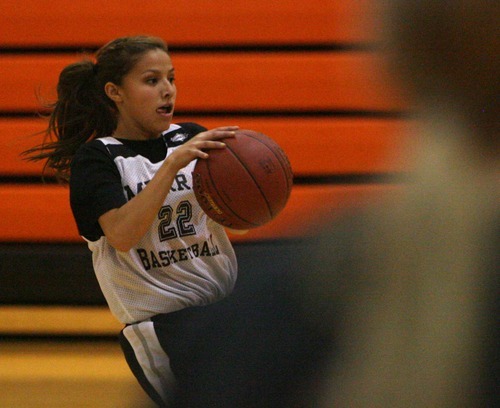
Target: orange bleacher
<point>318,146</point>
<point>280,81</point>
<point>304,74</point>
<point>42,23</point>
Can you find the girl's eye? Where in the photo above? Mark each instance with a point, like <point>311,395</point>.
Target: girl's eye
<point>172,80</point>
<point>152,81</point>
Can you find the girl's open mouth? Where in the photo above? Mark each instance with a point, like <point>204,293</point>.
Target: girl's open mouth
<point>165,110</point>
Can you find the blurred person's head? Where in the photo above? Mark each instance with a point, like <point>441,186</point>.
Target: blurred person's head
<point>447,56</point>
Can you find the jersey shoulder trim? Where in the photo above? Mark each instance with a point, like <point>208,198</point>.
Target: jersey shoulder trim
<point>109,140</point>
<point>180,133</point>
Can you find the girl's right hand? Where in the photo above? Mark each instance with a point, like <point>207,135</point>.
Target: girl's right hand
<point>197,146</point>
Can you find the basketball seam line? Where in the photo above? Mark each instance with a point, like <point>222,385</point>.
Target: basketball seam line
<point>288,183</point>
<point>214,185</point>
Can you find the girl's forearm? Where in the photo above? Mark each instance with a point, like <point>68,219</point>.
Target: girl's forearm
<point>125,226</point>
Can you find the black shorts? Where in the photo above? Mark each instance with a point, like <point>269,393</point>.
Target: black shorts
<point>250,350</point>
<point>164,351</point>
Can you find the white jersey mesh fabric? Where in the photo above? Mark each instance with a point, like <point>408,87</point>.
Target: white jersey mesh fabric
<point>185,259</point>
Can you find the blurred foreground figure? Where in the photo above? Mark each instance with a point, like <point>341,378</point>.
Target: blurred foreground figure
<point>394,306</point>
<point>419,302</point>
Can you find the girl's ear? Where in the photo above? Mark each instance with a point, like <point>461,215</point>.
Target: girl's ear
<point>113,92</point>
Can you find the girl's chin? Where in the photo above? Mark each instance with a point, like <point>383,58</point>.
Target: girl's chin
<point>165,123</point>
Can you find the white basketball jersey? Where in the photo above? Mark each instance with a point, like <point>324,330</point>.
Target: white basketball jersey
<point>185,259</point>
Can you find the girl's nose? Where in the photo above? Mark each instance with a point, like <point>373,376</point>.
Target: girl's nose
<point>168,88</point>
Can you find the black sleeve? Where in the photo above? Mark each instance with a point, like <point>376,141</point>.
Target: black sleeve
<point>95,188</point>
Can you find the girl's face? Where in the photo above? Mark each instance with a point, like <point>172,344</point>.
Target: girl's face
<point>145,100</point>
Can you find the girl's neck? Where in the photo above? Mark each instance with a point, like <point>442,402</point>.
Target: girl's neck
<point>133,133</point>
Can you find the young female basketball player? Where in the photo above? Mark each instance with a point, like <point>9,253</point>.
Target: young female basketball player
<point>155,253</point>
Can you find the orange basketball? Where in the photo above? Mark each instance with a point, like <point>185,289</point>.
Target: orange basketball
<point>245,185</point>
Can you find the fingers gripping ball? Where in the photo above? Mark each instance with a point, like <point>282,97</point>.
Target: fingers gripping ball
<point>245,185</point>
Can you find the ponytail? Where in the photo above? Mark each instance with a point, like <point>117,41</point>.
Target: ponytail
<point>82,112</point>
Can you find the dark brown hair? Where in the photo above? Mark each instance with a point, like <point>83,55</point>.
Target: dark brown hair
<point>83,111</point>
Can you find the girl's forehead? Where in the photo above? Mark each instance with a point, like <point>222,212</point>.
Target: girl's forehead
<point>153,59</point>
